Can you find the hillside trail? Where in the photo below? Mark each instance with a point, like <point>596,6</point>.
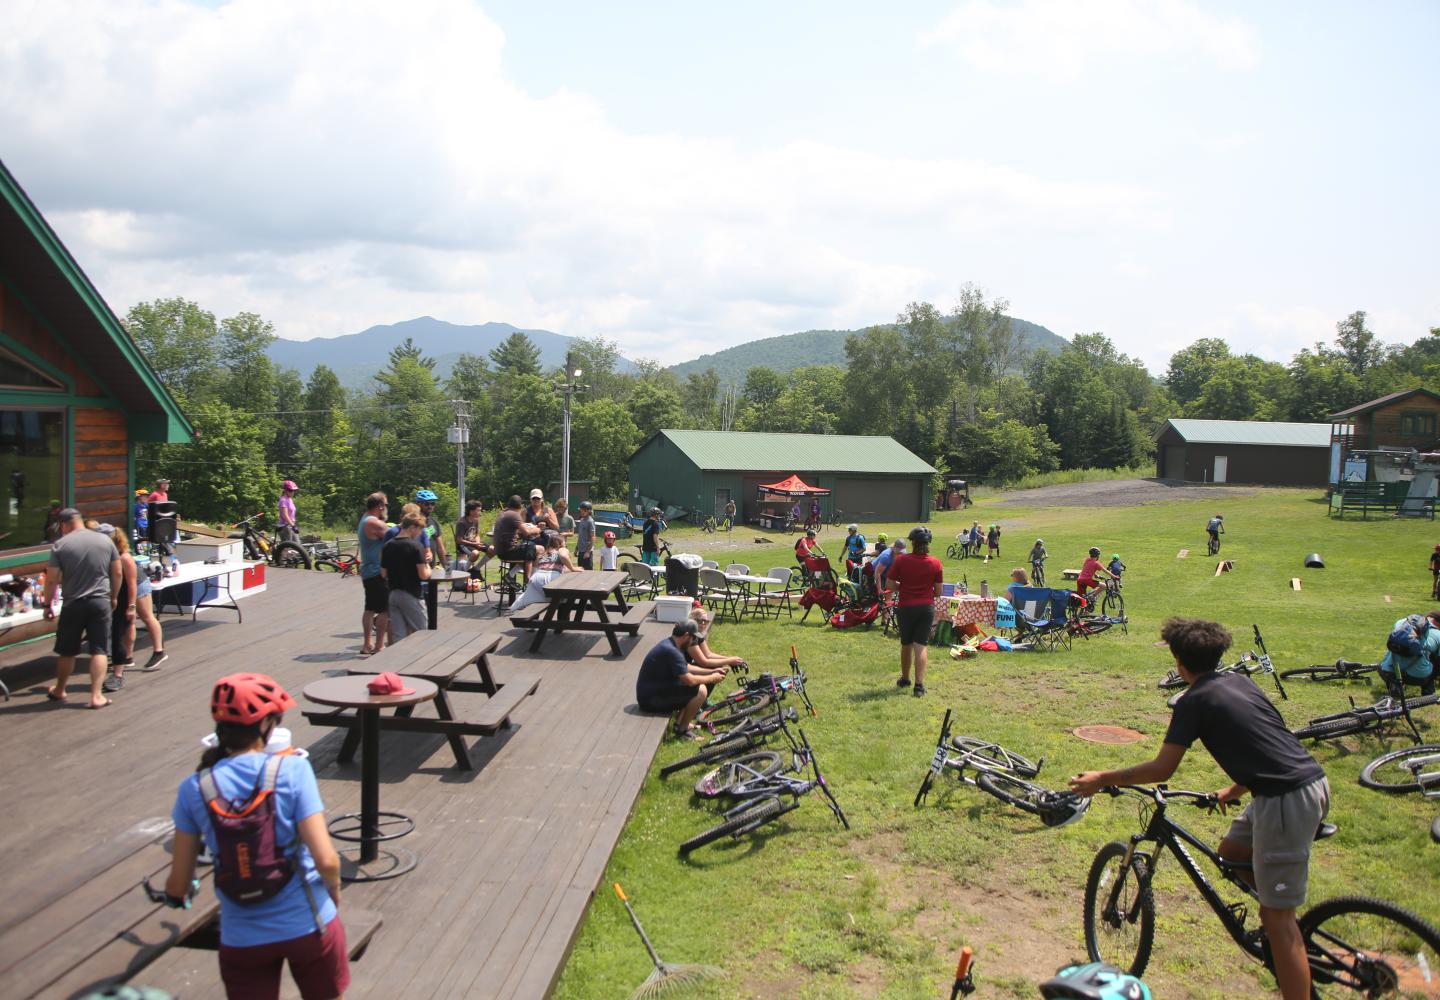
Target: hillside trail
<point>1121,493</point>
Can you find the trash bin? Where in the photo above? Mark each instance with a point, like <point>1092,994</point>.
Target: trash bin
<point>681,578</point>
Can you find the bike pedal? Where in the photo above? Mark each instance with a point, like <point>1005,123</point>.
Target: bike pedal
<point>1239,911</point>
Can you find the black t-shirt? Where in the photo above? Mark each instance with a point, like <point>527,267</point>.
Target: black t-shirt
<point>1244,733</point>
<point>507,530</point>
<point>400,559</point>
<point>661,669</point>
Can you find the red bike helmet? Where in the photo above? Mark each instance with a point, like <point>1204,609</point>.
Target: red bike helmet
<point>248,698</point>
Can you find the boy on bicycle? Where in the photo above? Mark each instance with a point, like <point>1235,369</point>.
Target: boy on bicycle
<point>1038,555</point>
<point>1215,528</point>
<point>1089,570</point>
<point>1249,740</point>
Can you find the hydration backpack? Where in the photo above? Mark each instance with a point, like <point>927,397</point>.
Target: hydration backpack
<point>1408,639</point>
<point>250,867</point>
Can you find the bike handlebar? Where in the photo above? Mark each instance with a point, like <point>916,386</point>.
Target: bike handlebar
<point>1161,794</point>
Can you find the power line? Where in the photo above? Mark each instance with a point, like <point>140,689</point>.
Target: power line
<point>316,462</point>
<point>342,409</point>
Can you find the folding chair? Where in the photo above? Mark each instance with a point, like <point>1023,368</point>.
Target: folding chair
<point>643,582</point>
<point>716,588</point>
<point>776,599</point>
<point>1035,618</point>
<point>739,568</point>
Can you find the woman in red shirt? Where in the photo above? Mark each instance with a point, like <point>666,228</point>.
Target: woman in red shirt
<point>917,577</point>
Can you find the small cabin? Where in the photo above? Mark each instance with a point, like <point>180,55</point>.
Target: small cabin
<point>1373,441</point>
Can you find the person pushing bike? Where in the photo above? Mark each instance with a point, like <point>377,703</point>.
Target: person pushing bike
<point>1247,737</point>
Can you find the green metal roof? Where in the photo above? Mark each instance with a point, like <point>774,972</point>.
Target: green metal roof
<point>1252,432</point>
<point>746,451</point>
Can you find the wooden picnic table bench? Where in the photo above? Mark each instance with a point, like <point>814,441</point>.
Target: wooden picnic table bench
<point>193,973</point>
<point>1380,497</point>
<point>440,658</point>
<point>571,595</point>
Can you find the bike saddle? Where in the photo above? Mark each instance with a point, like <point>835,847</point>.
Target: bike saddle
<point>1325,830</point>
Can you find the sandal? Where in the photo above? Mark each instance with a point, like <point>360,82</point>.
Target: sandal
<point>693,734</point>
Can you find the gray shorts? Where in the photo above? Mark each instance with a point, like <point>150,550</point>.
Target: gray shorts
<point>407,614</point>
<point>1279,829</point>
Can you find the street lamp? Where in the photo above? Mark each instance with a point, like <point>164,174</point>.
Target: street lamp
<point>569,387</point>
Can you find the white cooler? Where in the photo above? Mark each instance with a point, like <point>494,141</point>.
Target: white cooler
<point>673,609</point>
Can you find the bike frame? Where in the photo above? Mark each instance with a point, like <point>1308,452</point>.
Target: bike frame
<point>750,793</point>
<point>1166,834</point>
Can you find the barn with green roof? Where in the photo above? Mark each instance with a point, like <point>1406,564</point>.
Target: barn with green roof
<point>871,478</point>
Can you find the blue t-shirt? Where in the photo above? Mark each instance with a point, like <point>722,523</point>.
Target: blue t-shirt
<point>855,546</point>
<point>286,915</point>
<point>422,539</point>
<point>661,670</point>
<point>882,564</point>
<point>369,551</point>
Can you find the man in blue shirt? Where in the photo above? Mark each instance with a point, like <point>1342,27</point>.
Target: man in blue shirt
<point>1411,653</point>
<point>668,681</point>
<point>854,552</point>
<point>883,561</point>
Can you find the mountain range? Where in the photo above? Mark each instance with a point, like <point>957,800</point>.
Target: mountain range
<point>356,357</point>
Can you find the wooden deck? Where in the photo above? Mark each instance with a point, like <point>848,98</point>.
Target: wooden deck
<point>510,853</point>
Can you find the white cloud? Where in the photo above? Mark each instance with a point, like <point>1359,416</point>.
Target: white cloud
<point>1064,38</point>
<point>337,163</point>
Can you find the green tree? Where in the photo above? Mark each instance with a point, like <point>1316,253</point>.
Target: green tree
<point>1001,450</point>
<point>700,398</point>
<point>249,374</point>
<point>653,405</point>
<point>181,342</point>
<point>526,435</point>
<point>1191,366</point>
<point>602,437</point>
<point>983,338</point>
<point>1361,349</point>
<point>222,476</point>
<point>407,350</point>
<point>285,424</point>
<point>761,392</point>
<point>600,359</point>
<point>814,401</point>
<point>1321,383</point>
<point>516,355</point>
<point>1243,388</point>
<point>876,384</point>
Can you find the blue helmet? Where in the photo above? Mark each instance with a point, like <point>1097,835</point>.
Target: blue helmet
<point>425,496</point>
<point>1094,981</point>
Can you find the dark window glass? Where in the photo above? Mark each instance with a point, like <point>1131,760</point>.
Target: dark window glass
<point>32,461</point>
<point>15,373</point>
<point>1413,424</point>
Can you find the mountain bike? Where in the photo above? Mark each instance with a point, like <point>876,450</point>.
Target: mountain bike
<point>1354,943</point>
<point>705,522</point>
<point>1412,769</point>
<point>1111,605</point>
<point>755,695</point>
<point>960,548</point>
<point>765,798</point>
<point>259,547</point>
<point>1213,545</point>
<point>1037,574</point>
<point>346,564</point>
<point>1249,664</point>
<point>1340,670</point>
<point>746,735</point>
<point>836,517</point>
<point>962,753</point>
<point>1361,719</point>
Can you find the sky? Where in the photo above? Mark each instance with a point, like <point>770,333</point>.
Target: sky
<point>680,178</point>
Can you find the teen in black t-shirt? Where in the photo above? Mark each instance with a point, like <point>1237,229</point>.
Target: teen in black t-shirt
<point>1248,739</point>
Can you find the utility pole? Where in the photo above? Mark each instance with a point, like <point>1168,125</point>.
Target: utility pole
<point>459,436</point>
<point>569,387</point>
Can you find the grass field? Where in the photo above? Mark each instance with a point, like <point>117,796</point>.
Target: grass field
<point>806,909</point>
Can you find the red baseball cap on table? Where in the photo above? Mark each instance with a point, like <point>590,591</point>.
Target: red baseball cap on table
<point>389,683</point>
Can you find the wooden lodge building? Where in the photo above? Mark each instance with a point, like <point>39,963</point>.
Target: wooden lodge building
<point>76,394</point>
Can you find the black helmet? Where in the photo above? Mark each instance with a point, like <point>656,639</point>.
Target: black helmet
<point>1094,552</point>
<point>1095,981</point>
<point>920,535</point>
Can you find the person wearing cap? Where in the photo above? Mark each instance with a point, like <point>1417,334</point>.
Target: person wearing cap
<point>1038,556</point>
<point>1090,571</point>
<point>585,536</point>
<point>881,541</point>
<point>854,552</point>
<point>609,554</point>
<point>404,566</point>
<point>88,565</point>
<point>1435,574</point>
<point>539,514</point>
<point>515,536</point>
<point>288,527</point>
<point>881,564</point>
<point>300,924</point>
<point>1412,654</point>
<point>668,680</point>
<point>161,492</point>
<point>650,537</point>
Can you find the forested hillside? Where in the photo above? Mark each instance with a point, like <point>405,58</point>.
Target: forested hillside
<point>796,350</point>
<point>960,390</point>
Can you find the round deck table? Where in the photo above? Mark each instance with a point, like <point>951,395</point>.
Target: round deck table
<point>370,863</point>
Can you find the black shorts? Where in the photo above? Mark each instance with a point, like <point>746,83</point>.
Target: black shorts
<point>377,595</point>
<point>671,699</point>
<point>88,617</point>
<point>915,622</point>
<point>524,552</point>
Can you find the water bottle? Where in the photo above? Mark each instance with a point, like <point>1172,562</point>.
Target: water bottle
<point>174,566</point>
<point>985,588</point>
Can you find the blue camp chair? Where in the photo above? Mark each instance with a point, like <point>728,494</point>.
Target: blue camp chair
<point>1040,616</point>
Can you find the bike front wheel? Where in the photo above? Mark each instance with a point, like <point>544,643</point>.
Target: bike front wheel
<point>742,822</point>
<point>1390,771</point>
<point>289,555</point>
<point>1113,606</point>
<point>1121,933</point>
<point>733,711</point>
<point>329,566</point>
<point>1037,575</point>
<point>720,780</point>
<point>952,551</point>
<point>1370,947</point>
<point>1330,729</point>
<point>1318,672</point>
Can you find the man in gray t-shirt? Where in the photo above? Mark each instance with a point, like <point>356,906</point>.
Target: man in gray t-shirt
<point>87,565</point>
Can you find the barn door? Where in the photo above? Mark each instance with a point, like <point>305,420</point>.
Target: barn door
<point>1222,466</point>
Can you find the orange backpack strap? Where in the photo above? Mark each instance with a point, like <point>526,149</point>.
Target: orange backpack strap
<point>210,792</point>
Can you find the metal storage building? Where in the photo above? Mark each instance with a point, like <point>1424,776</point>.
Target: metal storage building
<point>873,478</point>
<point>1243,451</point>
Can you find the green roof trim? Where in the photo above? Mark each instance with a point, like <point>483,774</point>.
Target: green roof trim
<point>47,240</point>
<point>1263,432</point>
<point>749,451</point>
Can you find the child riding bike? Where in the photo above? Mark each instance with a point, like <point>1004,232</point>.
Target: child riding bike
<point>1215,528</point>
<point>1038,556</point>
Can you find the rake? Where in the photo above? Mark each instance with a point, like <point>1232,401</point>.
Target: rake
<point>665,977</point>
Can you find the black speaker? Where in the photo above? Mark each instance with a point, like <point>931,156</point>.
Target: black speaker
<point>681,579</point>
<point>164,518</point>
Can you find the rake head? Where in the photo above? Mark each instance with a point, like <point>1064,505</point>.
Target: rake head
<point>667,979</point>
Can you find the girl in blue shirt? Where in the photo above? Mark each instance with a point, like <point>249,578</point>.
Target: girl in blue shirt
<point>299,924</point>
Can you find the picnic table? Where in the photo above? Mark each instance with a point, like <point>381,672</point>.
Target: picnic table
<point>570,595</point>
<point>753,590</point>
<point>352,692</point>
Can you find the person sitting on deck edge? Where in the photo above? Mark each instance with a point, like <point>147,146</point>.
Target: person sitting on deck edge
<point>668,682</point>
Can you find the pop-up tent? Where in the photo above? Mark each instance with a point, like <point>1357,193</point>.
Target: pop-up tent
<point>792,486</point>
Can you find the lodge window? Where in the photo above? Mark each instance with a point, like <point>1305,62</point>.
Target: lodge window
<point>1417,424</point>
<point>16,374</point>
<point>32,464</point>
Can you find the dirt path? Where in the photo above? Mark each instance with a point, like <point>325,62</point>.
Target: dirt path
<point>1120,493</point>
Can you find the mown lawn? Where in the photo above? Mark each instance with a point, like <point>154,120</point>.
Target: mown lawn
<point>806,909</point>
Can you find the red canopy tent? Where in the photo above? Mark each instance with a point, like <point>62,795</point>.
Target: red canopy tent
<point>793,486</point>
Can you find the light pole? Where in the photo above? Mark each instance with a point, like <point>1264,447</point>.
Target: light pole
<point>569,387</point>
<point>459,436</point>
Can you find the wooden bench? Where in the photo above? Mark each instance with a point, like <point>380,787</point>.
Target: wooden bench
<point>1384,498</point>
<point>439,658</point>
<point>193,973</point>
<point>1069,574</point>
<point>104,931</point>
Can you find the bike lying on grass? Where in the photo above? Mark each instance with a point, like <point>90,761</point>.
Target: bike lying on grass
<point>1340,670</point>
<point>1362,719</point>
<point>766,793</point>
<point>1355,944</point>
<point>746,735</point>
<point>753,696</point>
<point>1000,773</point>
<point>1249,664</point>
